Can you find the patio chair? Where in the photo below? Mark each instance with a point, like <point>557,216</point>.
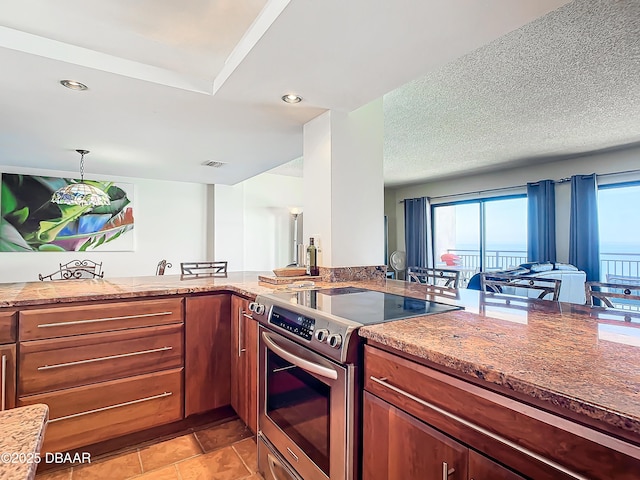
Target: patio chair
<point>622,296</point>
<point>441,277</point>
<point>75,270</point>
<point>204,269</point>
<point>519,284</point>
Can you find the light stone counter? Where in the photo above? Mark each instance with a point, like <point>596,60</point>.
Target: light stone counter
<point>21,435</point>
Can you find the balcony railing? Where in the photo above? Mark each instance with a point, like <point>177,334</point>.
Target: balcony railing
<point>622,264</point>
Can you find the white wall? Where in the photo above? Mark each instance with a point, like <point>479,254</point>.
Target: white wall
<point>254,228</point>
<point>602,163</point>
<point>170,222</point>
<point>344,191</point>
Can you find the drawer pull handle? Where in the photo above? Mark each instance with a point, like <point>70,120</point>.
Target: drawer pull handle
<point>240,349</point>
<point>478,428</point>
<point>100,359</point>
<point>111,407</point>
<point>3,404</point>
<point>446,471</point>
<point>106,319</point>
<point>247,316</point>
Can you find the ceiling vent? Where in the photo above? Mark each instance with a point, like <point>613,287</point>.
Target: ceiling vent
<point>213,164</point>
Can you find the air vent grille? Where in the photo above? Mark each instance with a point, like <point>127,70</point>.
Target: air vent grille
<point>214,164</point>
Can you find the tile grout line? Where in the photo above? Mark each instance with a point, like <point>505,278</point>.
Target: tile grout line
<point>175,467</point>
<point>242,459</point>
<point>198,442</point>
<point>140,460</point>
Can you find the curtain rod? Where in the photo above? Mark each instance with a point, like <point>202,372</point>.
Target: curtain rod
<point>561,180</point>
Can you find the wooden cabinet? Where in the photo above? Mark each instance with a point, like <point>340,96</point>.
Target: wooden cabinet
<point>482,468</point>
<point>105,370</point>
<point>397,445</point>
<point>7,376</point>
<point>207,353</point>
<point>7,359</point>
<point>502,435</point>
<point>244,363</point>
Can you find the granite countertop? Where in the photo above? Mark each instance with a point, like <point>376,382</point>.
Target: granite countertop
<point>22,435</point>
<point>585,360</point>
<point>46,293</point>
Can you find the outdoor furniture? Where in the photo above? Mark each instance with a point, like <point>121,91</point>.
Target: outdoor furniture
<point>613,295</point>
<point>451,259</point>
<point>75,270</point>
<point>162,265</point>
<point>204,269</point>
<point>434,276</point>
<point>519,285</point>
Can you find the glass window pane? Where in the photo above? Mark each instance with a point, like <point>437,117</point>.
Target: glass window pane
<point>619,224</point>
<point>505,229</point>
<point>457,237</point>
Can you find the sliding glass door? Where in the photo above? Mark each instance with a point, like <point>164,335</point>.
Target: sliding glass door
<point>480,235</point>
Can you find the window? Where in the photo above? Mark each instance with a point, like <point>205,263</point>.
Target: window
<point>480,235</point>
<point>619,225</point>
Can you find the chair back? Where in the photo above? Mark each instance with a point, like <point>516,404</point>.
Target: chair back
<point>162,265</point>
<point>518,284</point>
<point>204,269</point>
<point>624,296</point>
<point>441,277</point>
<point>75,270</point>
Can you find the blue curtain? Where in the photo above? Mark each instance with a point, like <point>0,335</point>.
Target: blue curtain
<point>541,209</point>
<point>584,244</point>
<point>415,231</point>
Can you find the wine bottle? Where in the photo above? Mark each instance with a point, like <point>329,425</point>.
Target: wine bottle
<point>312,259</point>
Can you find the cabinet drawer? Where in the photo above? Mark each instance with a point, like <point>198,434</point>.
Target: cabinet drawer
<point>85,415</point>
<point>7,327</point>
<point>59,363</point>
<point>99,317</point>
<point>512,432</point>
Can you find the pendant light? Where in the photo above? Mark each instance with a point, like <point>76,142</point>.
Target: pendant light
<point>80,193</point>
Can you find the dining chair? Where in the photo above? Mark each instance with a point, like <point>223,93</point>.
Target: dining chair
<point>162,265</point>
<point>441,277</point>
<point>518,284</point>
<point>208,269</point>
<point>75,270</point>
<point>613,295</point>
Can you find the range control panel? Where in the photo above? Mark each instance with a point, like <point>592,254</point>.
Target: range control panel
<point>297,324</point>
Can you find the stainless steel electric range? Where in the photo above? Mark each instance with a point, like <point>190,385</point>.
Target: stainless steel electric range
<point>309,376</point>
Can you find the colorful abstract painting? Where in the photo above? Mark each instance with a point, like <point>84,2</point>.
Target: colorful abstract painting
<point>31,223</point>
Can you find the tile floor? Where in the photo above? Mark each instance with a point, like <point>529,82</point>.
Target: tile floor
<point>223,452</point>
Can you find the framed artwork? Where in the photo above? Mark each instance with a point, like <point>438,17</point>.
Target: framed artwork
<point>30,222</point>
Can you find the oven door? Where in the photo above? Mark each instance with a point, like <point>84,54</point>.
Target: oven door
<point>306,407</point>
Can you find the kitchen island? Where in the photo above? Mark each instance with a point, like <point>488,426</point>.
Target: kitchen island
<point>575,362</point>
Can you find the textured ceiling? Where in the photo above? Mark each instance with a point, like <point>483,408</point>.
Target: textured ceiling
<point>564,84</point>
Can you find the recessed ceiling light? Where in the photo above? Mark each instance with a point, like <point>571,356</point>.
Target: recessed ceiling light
<point>73,85</point>
<point>291,98</point>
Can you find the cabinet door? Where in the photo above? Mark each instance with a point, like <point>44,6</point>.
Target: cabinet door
<point>244,366</point>
<point>397,445</point>
<point>482,468</point>
<point>7,376</point>
<point>207,345</point>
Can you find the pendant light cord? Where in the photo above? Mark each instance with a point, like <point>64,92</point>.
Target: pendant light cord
<point>82,167</point>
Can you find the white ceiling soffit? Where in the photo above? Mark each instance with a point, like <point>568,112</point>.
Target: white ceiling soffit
<point>563,85</point>
<point>150,67</point>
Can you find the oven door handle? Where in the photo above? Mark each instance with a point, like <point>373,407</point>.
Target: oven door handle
<point>311,367</point>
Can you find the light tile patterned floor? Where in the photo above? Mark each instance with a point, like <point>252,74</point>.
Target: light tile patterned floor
<point>223,452</point>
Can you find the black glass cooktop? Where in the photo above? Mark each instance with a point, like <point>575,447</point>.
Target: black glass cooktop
<point>364,306</point>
